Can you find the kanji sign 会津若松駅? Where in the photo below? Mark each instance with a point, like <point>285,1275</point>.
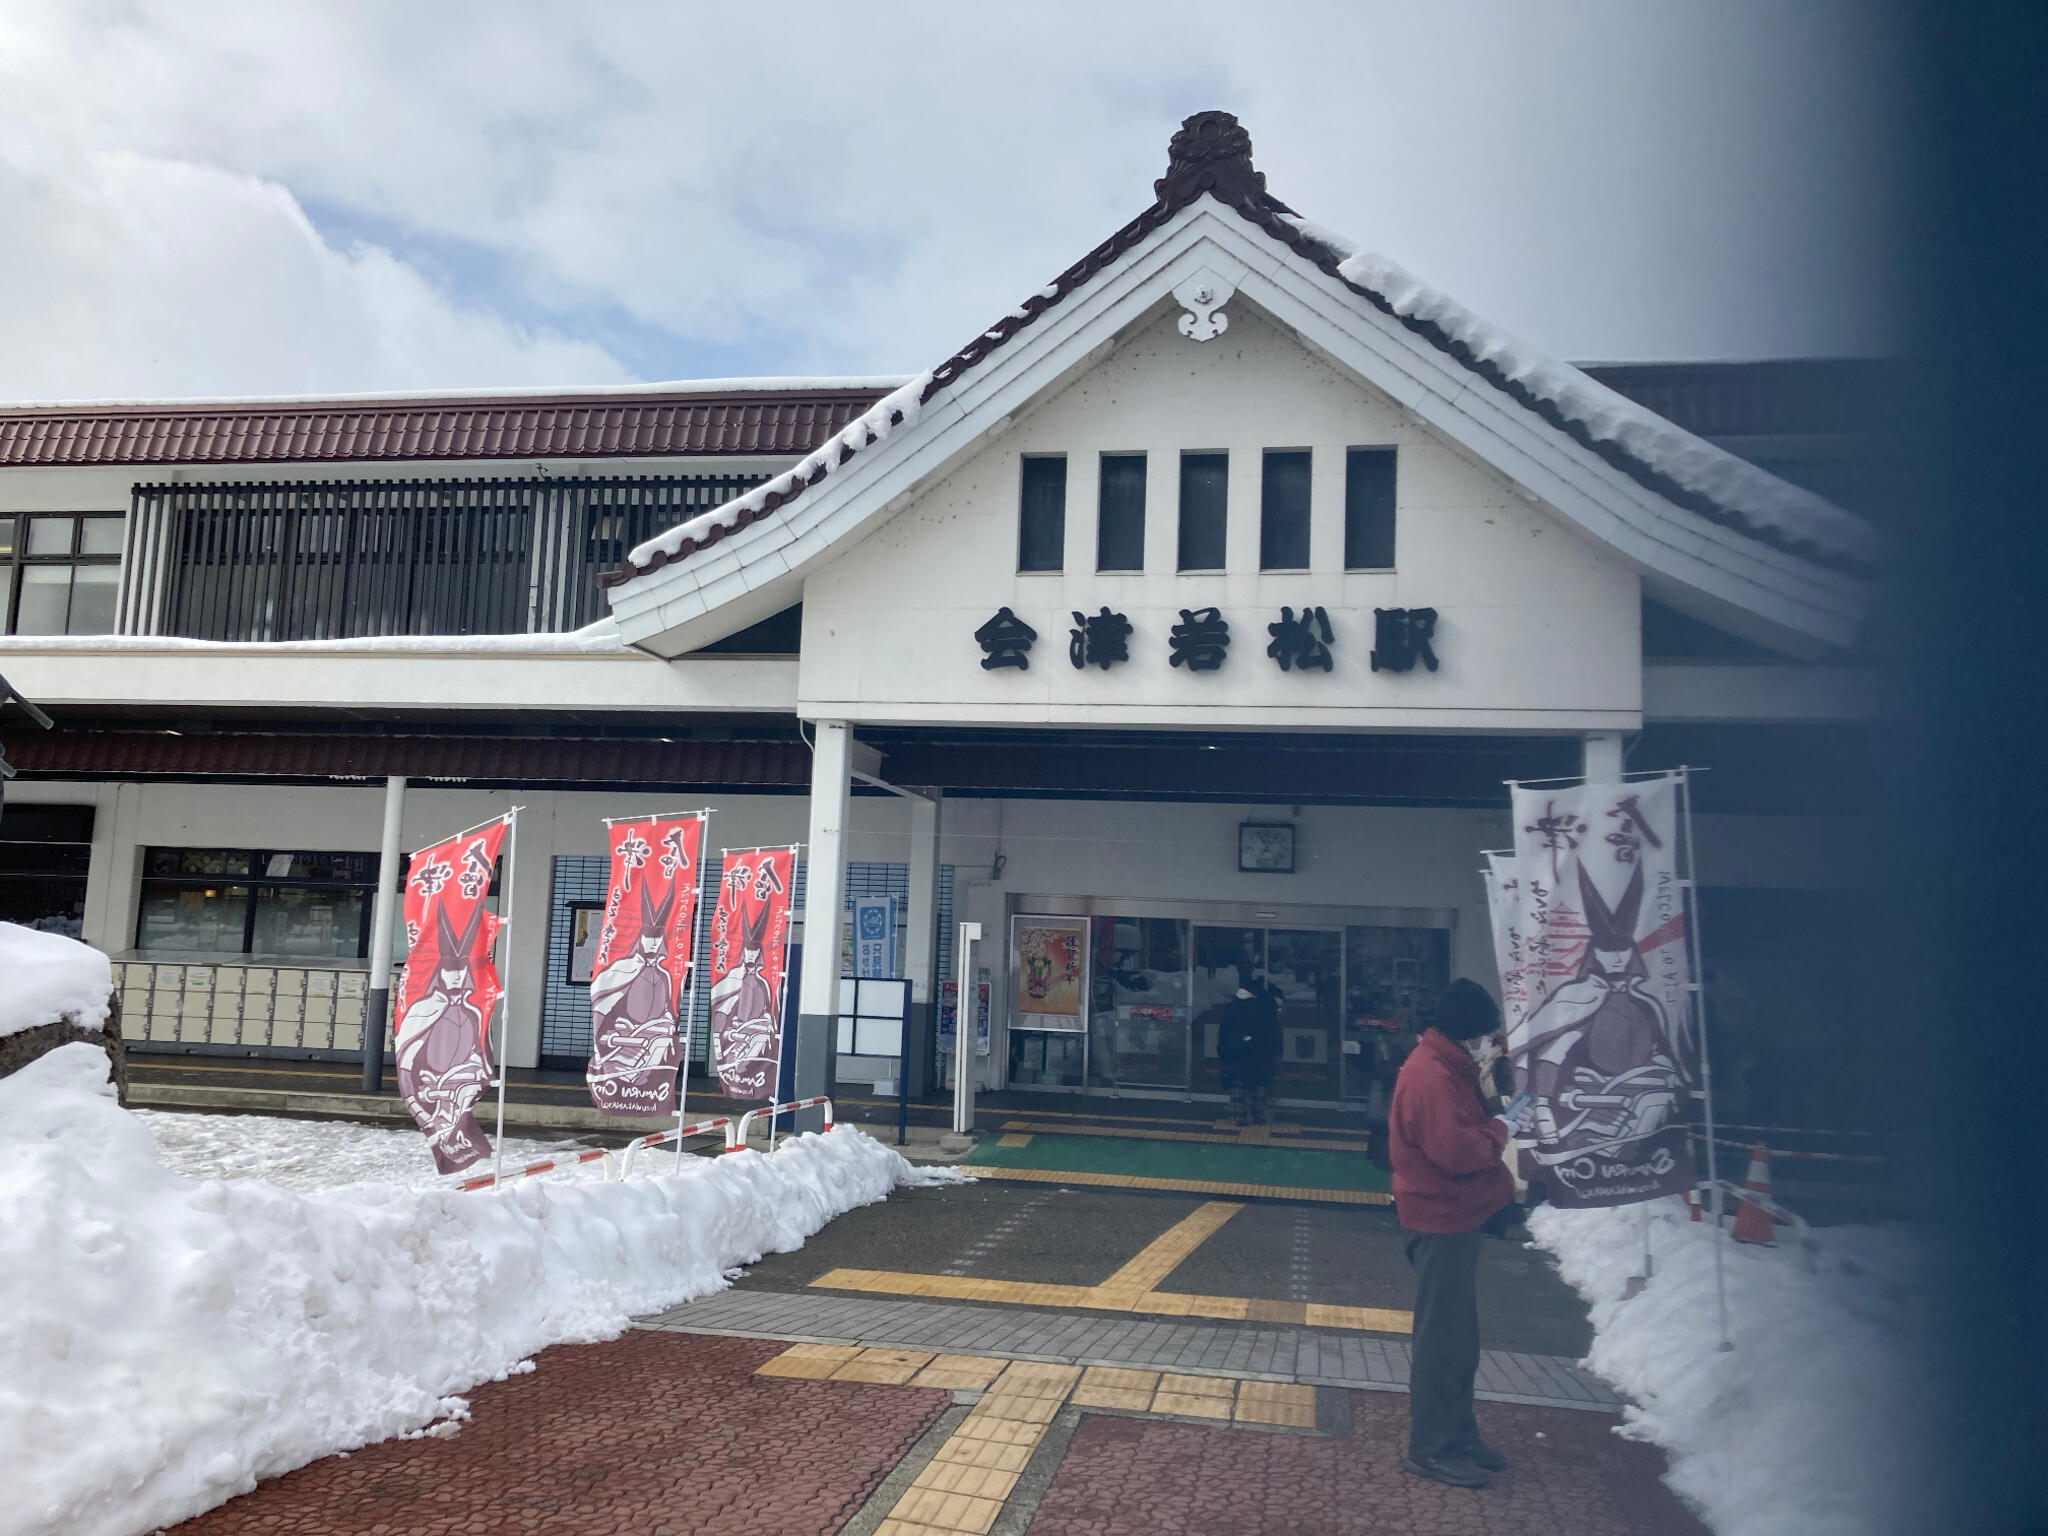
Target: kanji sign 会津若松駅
<point>1401,637</point>
<point>1005,641</point>
<point>1200,641</point>
<point>1099,639</point>
<point>642,964</point>
<point>1303,642</point>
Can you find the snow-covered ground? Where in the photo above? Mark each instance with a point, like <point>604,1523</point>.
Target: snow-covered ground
<point>1815,1423</point>
<point>317,1154</point>
<point>166,1340</point>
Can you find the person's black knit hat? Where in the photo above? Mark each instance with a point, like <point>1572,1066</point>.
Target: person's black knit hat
<point>1465,1012</point>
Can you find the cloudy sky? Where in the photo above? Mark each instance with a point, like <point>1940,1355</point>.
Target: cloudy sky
<point>216,198</point>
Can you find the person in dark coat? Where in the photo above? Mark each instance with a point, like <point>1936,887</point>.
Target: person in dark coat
<point>1449,1182</point>
<point>1248,1049</point>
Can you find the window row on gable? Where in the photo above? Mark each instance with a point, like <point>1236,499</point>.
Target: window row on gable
<point>1284,492</point>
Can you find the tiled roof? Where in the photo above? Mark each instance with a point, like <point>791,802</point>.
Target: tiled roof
<point>568,425</point>
<point>1212,154</point>
<point>508,759</point>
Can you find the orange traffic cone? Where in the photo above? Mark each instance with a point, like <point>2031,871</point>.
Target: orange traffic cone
<point>1753,1223</point>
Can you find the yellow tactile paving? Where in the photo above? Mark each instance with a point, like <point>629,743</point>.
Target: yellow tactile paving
<point>1185,1186</point>
<point>972,1452</point>
<point>1360,1319</point>
<point>958,1373</point>
<point>960,1491</point>
<point>1169,1250</point>
<point>1199,1397</point>
<point>1014,1139</point>
<point>1222,1133</point>
<point>1108,1386</point>
<point>812,1362</point>
<point>891,1367</point>
<point>1276,1402</point>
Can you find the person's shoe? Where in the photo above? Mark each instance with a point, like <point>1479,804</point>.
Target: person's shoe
<point>1449,1468</point>
<point>1483,1456</point>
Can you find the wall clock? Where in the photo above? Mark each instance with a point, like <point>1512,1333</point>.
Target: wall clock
<point>1266,847</point>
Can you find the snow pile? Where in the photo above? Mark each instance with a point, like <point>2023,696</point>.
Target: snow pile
<point>307,1155</point>
<point>1697,465</point>
<point>1809,1425</point>
<point>165,1342</point>
<point>899,408</point>
<point>46,978</point>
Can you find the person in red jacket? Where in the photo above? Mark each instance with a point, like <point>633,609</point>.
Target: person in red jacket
<point>1449,1182</point>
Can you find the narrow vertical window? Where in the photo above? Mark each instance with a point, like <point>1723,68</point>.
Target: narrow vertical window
<point>1369,509</point>
<point>1283,510</point>
<point>1042,514</point>
<point>1204,510</point>
<point>1120,514</point>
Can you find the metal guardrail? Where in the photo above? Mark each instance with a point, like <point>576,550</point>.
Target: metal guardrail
<point>774,1112</point>
<point>241,1009</point>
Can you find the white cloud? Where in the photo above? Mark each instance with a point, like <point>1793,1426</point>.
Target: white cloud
<point>129,275</point>
<point>804,186</point>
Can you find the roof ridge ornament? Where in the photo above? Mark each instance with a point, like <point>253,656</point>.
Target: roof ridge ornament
<point>1212,152</point>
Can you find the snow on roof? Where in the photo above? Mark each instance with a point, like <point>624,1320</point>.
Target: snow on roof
<point>899,408</point>
<point>1211,154</point>
<point>1731,483</point>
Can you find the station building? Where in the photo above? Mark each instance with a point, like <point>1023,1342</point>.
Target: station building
<point>1195,611</point>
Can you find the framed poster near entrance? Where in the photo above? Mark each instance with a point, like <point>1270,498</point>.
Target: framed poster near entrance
<point>1049,964</point>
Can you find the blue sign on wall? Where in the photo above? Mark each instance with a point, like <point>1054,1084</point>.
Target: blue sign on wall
<point>874,936</point>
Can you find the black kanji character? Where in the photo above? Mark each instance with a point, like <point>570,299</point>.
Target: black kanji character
<point>1099,638</point>
<point>1399,636</point>
<point>1302,642</point>
<point>1007,641</point>
<point>1199,641</point>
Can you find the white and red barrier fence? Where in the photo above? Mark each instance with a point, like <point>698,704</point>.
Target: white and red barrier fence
<point>626,1154</point>
<point>774,1112</point>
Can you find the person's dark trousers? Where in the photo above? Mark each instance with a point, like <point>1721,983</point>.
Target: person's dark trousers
<point>1446,1342</point>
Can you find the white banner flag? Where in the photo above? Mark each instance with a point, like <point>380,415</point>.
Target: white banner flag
<point>1597,1030</point>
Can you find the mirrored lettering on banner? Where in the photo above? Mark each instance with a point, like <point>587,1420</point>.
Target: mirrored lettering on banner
<point>749,967</point>
<point>642,965</point>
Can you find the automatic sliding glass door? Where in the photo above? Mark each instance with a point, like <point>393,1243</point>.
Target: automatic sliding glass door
<point>1138,1004</point>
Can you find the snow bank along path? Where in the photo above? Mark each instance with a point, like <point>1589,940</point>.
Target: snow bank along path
<point>46,978</point>
<point>1815,1423</point>
<point>165,1342</point>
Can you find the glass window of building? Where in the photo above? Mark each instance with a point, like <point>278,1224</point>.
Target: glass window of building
<point>1369,509</point>
<point>1138,1005</point>
<point>1042,514</point>
<point>44,854</point>
<point>1120,513</point>
<point>62,572</point>
<point>1204,510</point>
<point>236,901</point>
<point>1283,510</point>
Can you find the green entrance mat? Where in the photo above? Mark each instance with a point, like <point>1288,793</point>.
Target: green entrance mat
<point>1199,1162</point>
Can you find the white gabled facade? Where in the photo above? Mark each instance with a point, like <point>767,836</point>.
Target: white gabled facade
<point>1204,334</point>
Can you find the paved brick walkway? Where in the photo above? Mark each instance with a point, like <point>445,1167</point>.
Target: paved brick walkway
<point>1570,1475</point>
<point>1094,1338</point>
<point>652,1434</point>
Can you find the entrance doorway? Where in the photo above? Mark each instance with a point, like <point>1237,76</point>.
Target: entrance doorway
<point>1354,988</point>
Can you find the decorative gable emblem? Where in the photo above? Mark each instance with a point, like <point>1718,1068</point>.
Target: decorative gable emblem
<point>1203,297</point>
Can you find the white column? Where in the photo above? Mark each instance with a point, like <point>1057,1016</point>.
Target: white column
<point>921,937</point>
<point>383,919</point>
<point>1601,756</point>
<point>824,904</point>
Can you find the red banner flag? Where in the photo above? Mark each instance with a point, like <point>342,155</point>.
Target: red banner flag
<point>642,964</point>
<point>749,956</point>
<point>450,987</point>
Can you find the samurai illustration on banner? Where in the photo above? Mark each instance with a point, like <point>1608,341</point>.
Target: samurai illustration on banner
<point>1590,923</point>
<point>444,1006</point>
<point>642,965</point>
<point>749,958</point>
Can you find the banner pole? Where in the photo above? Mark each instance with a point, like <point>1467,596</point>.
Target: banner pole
<point>1699,984</point>
<point>690,984</point>
<point>511,818</point>
<point>788,916</point>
